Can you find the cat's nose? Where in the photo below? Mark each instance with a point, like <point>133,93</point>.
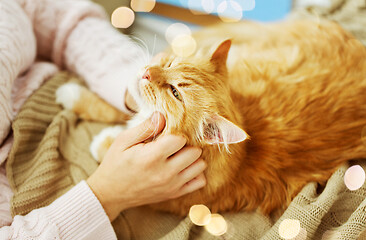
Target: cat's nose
<point>147,75</point>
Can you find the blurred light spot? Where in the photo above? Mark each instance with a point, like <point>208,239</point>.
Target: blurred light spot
<point>200,215</point>
<point>363,135</point>
<point>143,5</point>
<point>194,6</point>
<point>331,235</point>
<point>230,11</point>
<point>122,17</point>
<point>248,5</point>
<point>289,228</point>
<point>231,232</point>
<point>208,5</point>
<point>184,45</point>
<point>217,225</point>
<point>176,30</point>
<point>354,177</point>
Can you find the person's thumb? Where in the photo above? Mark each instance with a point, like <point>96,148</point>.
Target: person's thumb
<point>149,128</point>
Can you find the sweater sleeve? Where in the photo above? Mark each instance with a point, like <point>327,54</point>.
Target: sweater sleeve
<point>76,35</point>
<point>75,215</point>
<point>107,59</point>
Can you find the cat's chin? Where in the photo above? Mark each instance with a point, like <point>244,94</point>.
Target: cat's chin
<point>143,114</point>
<point>134,90</point>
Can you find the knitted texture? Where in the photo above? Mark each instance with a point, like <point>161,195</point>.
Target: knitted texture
<point>50,155</point>
<point>76,215</point>
<point>50,150</point>
<point>36,140</point>
<point>350,14</point>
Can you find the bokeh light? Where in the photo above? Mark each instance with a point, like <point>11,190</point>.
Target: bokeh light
<point>184,45</point>
<point>248,5</point>
<point>176,30</point>
<point>354,177</point>
<point>143,5</point>
<point>230,11</point>
<point>289,228</point>
<point>200,214</point>
<point>331,235</point>
<point>122,17</point>
<point>208,5</point>
<point>302,234</point>
<point>217,225</point>
<point>193,5</point>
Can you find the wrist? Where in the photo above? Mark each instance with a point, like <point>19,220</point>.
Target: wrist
<point>111,207</point>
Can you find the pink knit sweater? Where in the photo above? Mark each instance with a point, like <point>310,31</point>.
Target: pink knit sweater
<point>70,34</point>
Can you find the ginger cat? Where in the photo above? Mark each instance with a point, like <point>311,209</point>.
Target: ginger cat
<point>296,91</point>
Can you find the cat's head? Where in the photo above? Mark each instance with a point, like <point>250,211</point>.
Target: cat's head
<point>194,96</point>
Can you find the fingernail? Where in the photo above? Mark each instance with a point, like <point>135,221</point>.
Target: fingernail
<point>155,118</point>
<point>203,183</point>
<point>199,151</point>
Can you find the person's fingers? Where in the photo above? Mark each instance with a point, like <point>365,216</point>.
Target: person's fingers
<point>167,145</point>
<point>193,185</point>
<point>184,158</point>
<point>191,172</point>
<point>149,128</point>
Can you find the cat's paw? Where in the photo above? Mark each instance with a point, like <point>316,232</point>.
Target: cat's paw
<point>68,94</point>
<point>101,142</point>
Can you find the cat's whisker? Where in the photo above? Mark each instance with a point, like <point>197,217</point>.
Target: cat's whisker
<point>156,127</point>
<point>143,61</point>
<point>154,45</point>
<point>144,48</point>
<point>140,42</point>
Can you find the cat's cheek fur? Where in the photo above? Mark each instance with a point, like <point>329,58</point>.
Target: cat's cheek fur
<point>141,116</point>
<point>134,90</point>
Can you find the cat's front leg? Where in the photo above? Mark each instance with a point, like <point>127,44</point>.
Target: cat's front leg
<point>87,105</point>
<point>101,142</point>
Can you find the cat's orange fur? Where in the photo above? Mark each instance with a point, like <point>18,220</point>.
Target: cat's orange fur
<point>92,108</point>
<point>298,89</point>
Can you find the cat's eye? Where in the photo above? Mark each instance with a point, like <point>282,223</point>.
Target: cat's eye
<point>176,93</point>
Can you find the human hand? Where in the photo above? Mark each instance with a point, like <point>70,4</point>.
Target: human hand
<point>135,173</point>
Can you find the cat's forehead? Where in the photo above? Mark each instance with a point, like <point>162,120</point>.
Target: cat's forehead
<point>175,68</point>
<point>174,60</point>
<point>171,60</point>
<point>175,64</point>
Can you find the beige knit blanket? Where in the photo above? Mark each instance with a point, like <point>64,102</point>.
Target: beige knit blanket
<point>50,155</point>
<point>350,14</point>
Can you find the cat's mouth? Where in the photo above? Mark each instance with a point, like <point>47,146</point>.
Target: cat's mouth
<point>134,99</point>
<point>130,103</point>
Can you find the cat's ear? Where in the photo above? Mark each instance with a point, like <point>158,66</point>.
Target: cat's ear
<point>219,130</point>
<point>219,57</point>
